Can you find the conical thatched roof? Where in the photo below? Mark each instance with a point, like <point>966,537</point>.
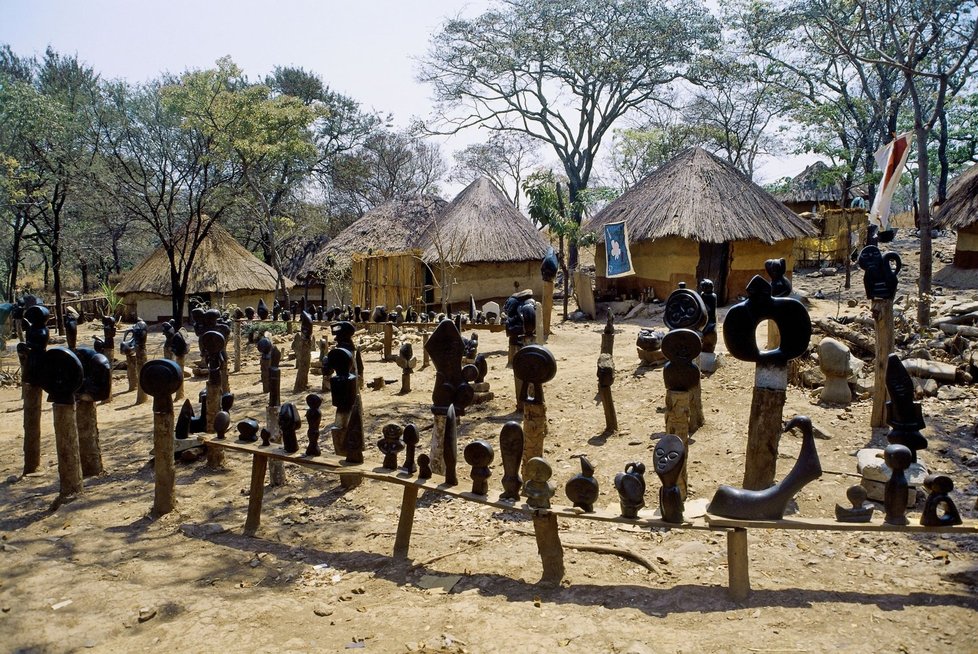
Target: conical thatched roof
<point>961,207</point>
<point>392,227</point>
<point>700,197</point>
<point>221,265</point>
<point>810,186</point>
<point>483,226</point>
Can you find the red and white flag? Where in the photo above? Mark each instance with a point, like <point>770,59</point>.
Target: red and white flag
<point>891,158</point>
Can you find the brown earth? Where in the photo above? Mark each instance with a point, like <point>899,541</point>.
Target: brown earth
<point>319,575</point>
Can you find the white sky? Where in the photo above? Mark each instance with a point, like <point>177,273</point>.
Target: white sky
<point>362,48</point>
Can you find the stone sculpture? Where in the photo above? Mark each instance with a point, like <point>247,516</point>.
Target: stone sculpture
<point>649,346</point>
<point>534,365</point>
<point>834,360</point>
<point>71,328</point>
<point>670,459</point>
<point>709,331</point>
<point>424,467</point>
<point>770,503</point>
<point>248,430</point>
<point>410,439</point>
<point>859,510</point>
<point>262,309</point>
<point>790,315</point>
<point>538,488</point>
<point>407,362</point>
<point>549,266</point>
<point>904,416</point>
<point>898,458</point>
<point>314,417</point>
<point>288,423</point>
<point>880,269</point>
<point>511,450</point>
<point>939,508</point>
<point>681,347</point>
<point>222,420</point>
<point>390,444</point>
<point>582,489</point>
<point>630,485</point>
<point>452,383</point>
<point>479,455</point>
<point>685,309</point>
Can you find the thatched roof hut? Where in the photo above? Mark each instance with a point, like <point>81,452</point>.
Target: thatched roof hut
<point>697,217</point>
<point>960,212</point>
<point>809,189</point>
<point>223,272</point>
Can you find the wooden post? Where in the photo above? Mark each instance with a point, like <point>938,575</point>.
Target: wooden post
<point>32,427</point>
<point>164,468</point>
<point>132,375</point>
<point>263,365</point>
<point>303,354</point>
<point>225,383</point>
<point>610,417</point>
<point>764,430</point>
<point>259,464</point>
<point>549,547</point>
<point>738,565</point>
<point>66,442</point>
<point>677,422</point>
<point>883,320</point>
<point>237,345</point>
<point>86,418</point>
<point>215,455</point>
<point>548,308</point>
<point>140,359</point>
<point>696,417</point>
<point>424,348</point>
<point>109,352</point>
<point>388,341</point>
<point>178,395</point>
<point>534,432</point>
<point>405,523</point>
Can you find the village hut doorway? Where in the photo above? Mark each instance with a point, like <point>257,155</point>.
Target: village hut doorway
<point>713,264</point>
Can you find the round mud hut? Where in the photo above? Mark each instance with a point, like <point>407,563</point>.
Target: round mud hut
<point>223,273</point>
<point>697,217</point>
<point>960,213</point>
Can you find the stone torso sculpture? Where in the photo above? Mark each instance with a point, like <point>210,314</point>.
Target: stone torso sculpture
<point>479,455</point>
<point>582,489</point>
<point>670,455</point>
<point>314,417</point>
<point>511,448</point>
<point>390,444</point>
<point>898,458</point>
<point>630,485</point>
<point>288,423</point>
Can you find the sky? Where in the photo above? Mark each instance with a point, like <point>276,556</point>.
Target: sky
<point>363,48</point>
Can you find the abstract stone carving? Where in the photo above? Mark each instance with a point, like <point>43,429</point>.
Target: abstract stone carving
<point>248,430</point>
<point>770,503</point>
<point>939,509</point>
<point>776,269</point>
<point>511,449</point>
<point>903,415</point>
<point>314,417</point>
<point>859,510</point>
<point>670,456</point>
<point>424,467</point>
<point>61,374</point>
<point>582,489</point>
<point>630,485</point>
<point>450,445</point>
<point>288,423</point>
<point>681,347</point>
<point>898,458</point>
<point>452,387</point>
<point>549,266</point>
<point>790,315</point>
<point>880,270</point>
<point>536,365</point>
<point>709,331</point>
<point>410,439</point>
<point>685,309</point>
<point>538,487</point>
<point>479,455</point>
<point>390,444</point>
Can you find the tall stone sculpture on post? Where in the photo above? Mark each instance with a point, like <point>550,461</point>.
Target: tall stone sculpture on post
<point>452,385</point>
<point>161,378</point>
<point>31,352</point>
<point>302,345</point>
<point>534,366</point>
<point>345,396</point>
<point>95,388</point>
<point>548,271</point>
<point>61,376</point>
<point>686,315</point>
<point>771,371</point>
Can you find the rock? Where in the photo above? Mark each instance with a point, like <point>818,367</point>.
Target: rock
<point>812,377</point>
<point>951,393</point>
<point>924,387</point>
<point>12,479</point>
<point>708,361</point>
<point>834,360</point>
<point>928,369</point>
<point>819,295</point>
<point>852,303</point>
<point>578,316</point>
<point>146,613</point>
<point>828,272</point>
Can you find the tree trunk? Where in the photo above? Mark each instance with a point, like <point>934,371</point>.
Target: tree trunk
<point>942,158</point>
<point>926,252</point>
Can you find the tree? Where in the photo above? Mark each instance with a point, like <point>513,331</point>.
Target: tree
<point>562,73</point>
<point>932,44</point>
<point>503,160</point>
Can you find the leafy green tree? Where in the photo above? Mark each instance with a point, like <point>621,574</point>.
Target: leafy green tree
<point>562,72</point>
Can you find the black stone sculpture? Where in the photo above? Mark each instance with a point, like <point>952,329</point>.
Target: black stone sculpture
<point>880,269</point>
<point>36,338</point>
<point>61,374</point>
<point>248,430</point>
<point>288,423</point>
<point>424,467</point>
<point>582,489</point>
<point>681,347</point>
<point>538,488</point>
<point>859,510</point>
<point>511,450</point>
<point>97,384</point>
<point>222,421</point>
<point>314,418</point>
<point>536,365</point>
<point>685,309</point>
<point>770,503</point>
<point>450,446</point>
<point>250,313</point>
<point>71,329</point>
<point>939,509</point>
<point>709,331</point>
<point>904,416</point>
<point>353,442</point>
<point>390,444</point>
<point>482,366</point>
<point>630,485</point>
<point>343,332</point>
<point>266,438</point>
<point>777,269</point>
<point>898,458</point>
<point>790,315</point>
<point>262,309</point>
<point>452,387</point>
<point>179,345</point>
<point>670,456</point>
<point>410,439</point>
<point>305,325</point>
<point>343,383</point>
<point>160,378</point>
<point>275,377</point>
<point>479,455</point>
<point>548,269</point>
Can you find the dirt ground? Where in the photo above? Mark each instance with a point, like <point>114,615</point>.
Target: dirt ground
<point>100,574</point>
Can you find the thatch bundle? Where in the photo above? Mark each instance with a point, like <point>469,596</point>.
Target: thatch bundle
<point>221,265</point>
<point>485,227</point>
<point>702,198</point>
<point>960,210</point>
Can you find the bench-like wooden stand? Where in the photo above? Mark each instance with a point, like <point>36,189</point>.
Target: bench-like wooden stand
<point>544,520</point>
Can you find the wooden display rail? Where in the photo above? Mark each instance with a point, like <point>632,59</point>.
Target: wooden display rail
<point>545,520</point>
<point>738,561</point>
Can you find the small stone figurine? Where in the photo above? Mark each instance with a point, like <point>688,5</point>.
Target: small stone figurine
<point>670,455</point>
<point>424,467</point>
<point>511,448</point>
<point>288,423</point>
<point>582,489</point>
<point>314,417</point>
<point>538,488</point>
<point>709,297</point>
<point>859,511</point>
<point>391,444</point>
<point>479,455</point>
<point>248,430</point>
<point>898,458</point>
<point>410,439</point>
<point>681,347</point>
<point>631,489</point>
<point>939,509</point>
<point>222,420</point>
<point>450,445</point>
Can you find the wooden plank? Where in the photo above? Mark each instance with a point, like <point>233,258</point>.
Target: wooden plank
<point>828,524</point>
<point>738,565</point>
